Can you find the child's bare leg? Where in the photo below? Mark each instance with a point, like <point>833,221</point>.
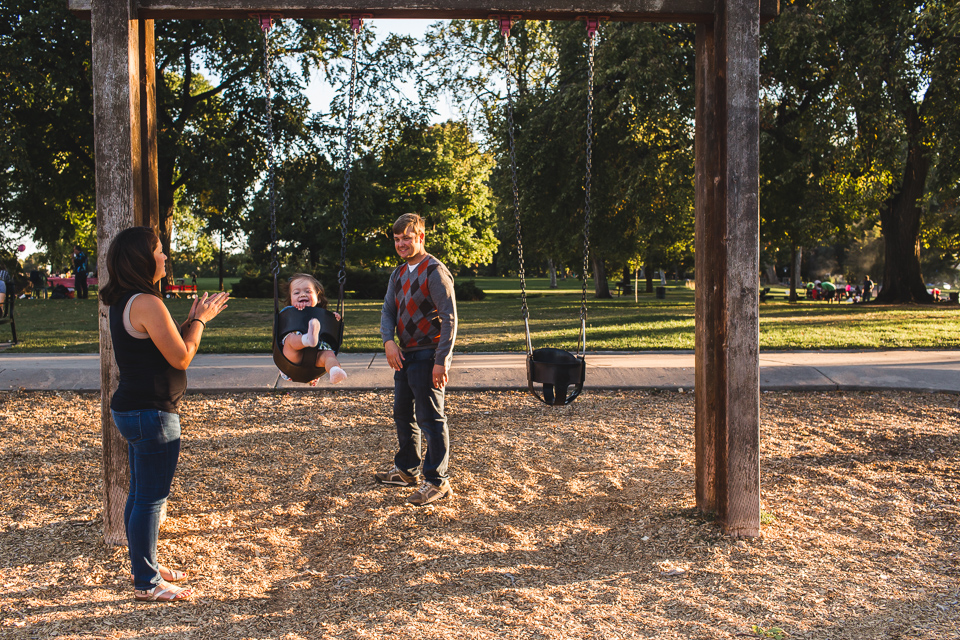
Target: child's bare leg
<point>328,359</point>
<point>292,346</point>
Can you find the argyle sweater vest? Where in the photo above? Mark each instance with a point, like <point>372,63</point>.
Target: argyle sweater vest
<point>416,302</point>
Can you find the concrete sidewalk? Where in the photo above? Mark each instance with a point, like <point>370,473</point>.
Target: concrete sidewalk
<point>913,370</point>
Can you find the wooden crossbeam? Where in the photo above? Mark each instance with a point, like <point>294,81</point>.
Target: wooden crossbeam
<point>618,10</point>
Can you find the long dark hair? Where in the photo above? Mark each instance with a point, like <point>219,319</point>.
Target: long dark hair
<point>130,264</point>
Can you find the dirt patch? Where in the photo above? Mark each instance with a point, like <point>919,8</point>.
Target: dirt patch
<point>568,523</point>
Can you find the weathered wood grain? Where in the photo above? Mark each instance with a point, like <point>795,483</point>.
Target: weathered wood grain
<point>709,266</point>
<point>122,48</point>
<point>627,10</point>
<point>738,66</point>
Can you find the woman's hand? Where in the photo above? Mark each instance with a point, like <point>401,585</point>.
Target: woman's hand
<point>209,307</point>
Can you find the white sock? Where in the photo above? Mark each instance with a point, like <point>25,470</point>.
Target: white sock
<point>312,336</point>
<point>337,375</point>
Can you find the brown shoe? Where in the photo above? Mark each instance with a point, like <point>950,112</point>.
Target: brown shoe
<point>397,478</point>
<point>429,492</point>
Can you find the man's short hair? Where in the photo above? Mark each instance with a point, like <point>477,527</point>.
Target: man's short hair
<point>408,220</point>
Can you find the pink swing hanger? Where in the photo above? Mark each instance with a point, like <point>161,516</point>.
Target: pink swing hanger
<point>506,21</point>
<point>593,23</point>
<point>356,20</point>
<point>266,19</point>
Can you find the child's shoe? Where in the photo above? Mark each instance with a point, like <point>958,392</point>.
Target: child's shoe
<point>337,375</point>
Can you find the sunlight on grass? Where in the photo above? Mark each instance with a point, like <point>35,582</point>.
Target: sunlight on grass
<point>495,324</point>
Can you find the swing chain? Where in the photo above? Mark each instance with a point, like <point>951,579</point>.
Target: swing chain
<point>265,24</point>
<point>505,30</point>
<point>356,24</point>
<point>591,37</point>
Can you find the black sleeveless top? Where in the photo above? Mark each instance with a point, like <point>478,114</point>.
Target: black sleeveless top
<point>147,380</point>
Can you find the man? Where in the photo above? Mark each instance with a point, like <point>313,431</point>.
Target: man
<point>421,310</point>
<point>79,272</point>
<point>867,289</point>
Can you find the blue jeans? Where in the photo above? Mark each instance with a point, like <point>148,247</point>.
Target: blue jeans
<point>153,439</point>
<point>418,407</point>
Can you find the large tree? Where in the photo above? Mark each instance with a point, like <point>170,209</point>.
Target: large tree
<point>437,171</point>
<point>467,62</point>
<point>810,187</point>
<point>900,63</point>
<point>642,164</point>
<point>210,108</point>
<point>211,142</point>
<point>46,144</point>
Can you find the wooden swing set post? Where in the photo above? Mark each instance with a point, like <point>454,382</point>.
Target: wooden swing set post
<point>125,149</point>
<point>727,197</point>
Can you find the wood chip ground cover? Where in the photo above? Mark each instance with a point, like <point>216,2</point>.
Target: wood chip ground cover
<point>568,523</point>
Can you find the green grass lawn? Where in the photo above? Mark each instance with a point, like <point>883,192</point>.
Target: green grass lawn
<point>495,324</point>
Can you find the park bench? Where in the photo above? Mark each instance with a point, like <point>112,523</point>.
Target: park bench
<point>624,287</point>
<point>764,293</point>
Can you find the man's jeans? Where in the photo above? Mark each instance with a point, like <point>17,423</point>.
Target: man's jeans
<point>418,406</point>
<point>153,439</point>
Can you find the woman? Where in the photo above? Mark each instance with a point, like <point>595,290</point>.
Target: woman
<point>152,355</point>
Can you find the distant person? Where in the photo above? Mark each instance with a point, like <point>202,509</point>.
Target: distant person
<point>421,311</point>
<point>36,279</point>
<point>152,353</point>
<point>6,282</point>
<point>80,270</point>
<point>306,291</point>
<point>867,289</point>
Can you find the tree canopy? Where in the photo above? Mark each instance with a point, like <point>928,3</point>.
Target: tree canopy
<point>859,127</point>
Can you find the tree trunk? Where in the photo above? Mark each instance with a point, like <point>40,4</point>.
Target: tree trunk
<point>165,194</point>
<point>220,262</point>
<point>772,275</point>
<point>600,286</point>
<point>796,255</point>
<point>648,271</point>
<point>900,225</point>
<point>551,265</point>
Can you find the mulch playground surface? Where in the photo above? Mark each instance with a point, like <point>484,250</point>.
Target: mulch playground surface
<point>575,523</point>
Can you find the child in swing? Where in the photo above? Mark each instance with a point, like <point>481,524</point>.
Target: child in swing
<point>306,291</point>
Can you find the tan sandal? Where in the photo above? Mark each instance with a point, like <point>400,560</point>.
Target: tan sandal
<point>169,575</point>
<point>163,592</point>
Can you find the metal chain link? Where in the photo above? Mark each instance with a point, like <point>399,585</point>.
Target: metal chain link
<point>347,158</point>
<point>524,311</point>
<point>582,340</point>
<point>271,170</point>
<point>356,24</point>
